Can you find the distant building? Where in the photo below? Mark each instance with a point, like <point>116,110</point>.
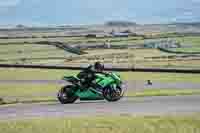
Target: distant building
<point>20,26</point>
<point>164,44</point>
<point>119,34</point>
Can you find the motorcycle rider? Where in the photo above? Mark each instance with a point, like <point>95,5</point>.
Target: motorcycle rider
<point>96,68</point>
<point>88,75</point>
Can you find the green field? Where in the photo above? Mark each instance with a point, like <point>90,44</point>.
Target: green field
<point>39,74</point>
<point>102,124</point>
<point>42,54</point>
<point>33,53</point>
<point>76,40</point>
<point>192,49</point>
<point>162,92</point>
<point>191,40</point>
<point>194,41</point>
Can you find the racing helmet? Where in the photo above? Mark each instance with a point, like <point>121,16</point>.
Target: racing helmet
<point>98,66</point>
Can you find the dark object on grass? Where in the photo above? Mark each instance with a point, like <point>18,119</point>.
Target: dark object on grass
<point>1,101</point>
<point>91,36</point>
<point>149,82</point>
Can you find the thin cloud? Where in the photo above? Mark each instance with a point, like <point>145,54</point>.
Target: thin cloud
<point>9,3</point>
<point>196,1</point>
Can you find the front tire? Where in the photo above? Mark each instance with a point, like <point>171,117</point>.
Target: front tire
<point>112,95</point>
<point>65,96</point>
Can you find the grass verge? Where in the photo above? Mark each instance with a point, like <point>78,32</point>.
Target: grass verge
<point>28,93</point>
<point>111,124</point>
<point>32,74</point>
<point>163,92</point>
<point>164,77</point>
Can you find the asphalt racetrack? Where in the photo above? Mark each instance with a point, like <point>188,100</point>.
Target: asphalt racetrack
<point>126,106</point>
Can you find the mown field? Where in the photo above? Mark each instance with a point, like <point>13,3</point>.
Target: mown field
<point>194,41</point>
<point>190,40</point>
<point>39,74</point>
<point>138,58</point>
<point>111,124</point>
<point>192,49</point>
<point>44,54</point>
<point>73,40</point>
<point>34,53</point>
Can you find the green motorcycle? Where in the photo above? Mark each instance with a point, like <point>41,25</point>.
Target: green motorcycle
<point>105,86</point>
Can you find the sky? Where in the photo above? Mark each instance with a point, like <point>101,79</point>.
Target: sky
<point>60,12</point>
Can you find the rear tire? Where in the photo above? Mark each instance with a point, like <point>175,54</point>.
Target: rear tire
<point>64,95</point>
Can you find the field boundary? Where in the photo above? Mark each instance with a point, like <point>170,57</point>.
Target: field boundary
<point>168,70</point>
<point>177,52</point>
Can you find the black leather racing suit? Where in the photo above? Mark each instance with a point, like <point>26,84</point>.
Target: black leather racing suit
<point>87,76</point>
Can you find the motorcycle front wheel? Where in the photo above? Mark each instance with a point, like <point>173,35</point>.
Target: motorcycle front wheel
<point>111,94</point>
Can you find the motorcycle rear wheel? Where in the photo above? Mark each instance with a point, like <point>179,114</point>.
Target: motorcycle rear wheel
<point>64,95</point>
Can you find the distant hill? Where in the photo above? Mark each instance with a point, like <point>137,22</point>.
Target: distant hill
<point>120,23</point>
<point>186,24</point>
<point>20,26</point>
